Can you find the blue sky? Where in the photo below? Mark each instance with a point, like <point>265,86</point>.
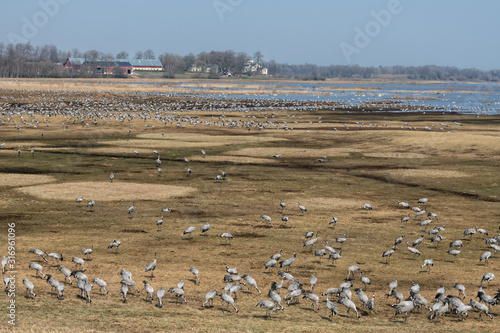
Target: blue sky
<point>419,32</point>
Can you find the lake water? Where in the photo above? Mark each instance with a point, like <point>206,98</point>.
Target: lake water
<point>479,98</point>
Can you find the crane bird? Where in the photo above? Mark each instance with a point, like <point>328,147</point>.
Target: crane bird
<point>362,296</point>
<point>114,244</point>
<point>195,272</point>
<point>487,277</point>
<point>313,282</point>
<point>39,253</point>
<point>454,252</point>
<point>423,201</point>
<point>351,270</point>
<point>66,272</point>
<point>232,270</point>
<point>270,264</point>
<point>405,219</point>
<point>333,221</point>
<point>367,206</point>
<point>37,268</point>
<point>365,280</point>
<point>460,288</point>
<point>481,307</point>
<point>286,263</point>
<point>29,286</point>
<point>111,177</point>
<point>131,209</point>
<point>341,240</point>
<point>282,205</point>
<point>403,204</point>
<point>457,243</point>
<point>160,294</point>
<point>269,305</point>
<point>151,267</point>
<point>124,291</point>
<point>79,261</point>
<point>91,204</point>
<point>302,208</point>
<point>101,283</point>
<point>331,306</point>
<point>412,249</point>
<point>228,300</point>
<point>227,236</point>
<point>188,231</point>
<point>469,232</point>
<point>209,298</point>
<point>88,251</point>
<point>418,241</point>
<point>251,282</point>
<point>5,261</point>
<point>404,307</point>
<point>149,289</point>
<point>428,263</point>
<point>274,296</point>
<point>277,256</point>
<point>398,240</point>
<point>348,304</point>
<point>267,219</point>
<point>204,228</point>
<point>159,223</point>
<point>387,254</point>
<point>485,256</point>
<point>313,298</point>
<point>311,241</point>
<point>79,200</point>
<point>158,161</point>
<point>335,256</point>
<point>329,248</point>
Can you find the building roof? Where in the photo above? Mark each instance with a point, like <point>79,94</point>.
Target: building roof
<point>142,62</point>
<point>121,62</point>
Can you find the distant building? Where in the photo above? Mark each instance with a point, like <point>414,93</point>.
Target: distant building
<point>144,64</point>
<point>108,66</point>
<point>195,68</point>
<point>255,68</point>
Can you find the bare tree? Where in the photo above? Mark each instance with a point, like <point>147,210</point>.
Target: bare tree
<point>149,54</point>
<point>122,55</point>
<point>75,53</point>
<point>258,56</point>
<point>170,63</point>
<point>240,62</point>
<point>139,55</point>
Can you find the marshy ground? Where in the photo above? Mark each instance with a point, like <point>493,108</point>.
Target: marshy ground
<point>371,157</point>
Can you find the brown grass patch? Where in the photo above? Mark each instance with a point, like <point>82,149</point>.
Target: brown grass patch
<point>428,173</point>
<point>104,191</point>
<point>225,139</point>
<point>233,159</point>
<point>395,155</point>
<point>293,152</point>
<point>324,204</point>
<point>20,179</point>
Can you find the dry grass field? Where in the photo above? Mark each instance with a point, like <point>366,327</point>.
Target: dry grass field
<point>455,168</point>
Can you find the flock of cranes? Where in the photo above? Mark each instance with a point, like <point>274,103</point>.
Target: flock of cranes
<point>443,304</point>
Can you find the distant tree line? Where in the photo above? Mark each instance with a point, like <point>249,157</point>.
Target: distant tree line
<point>25,60</point>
